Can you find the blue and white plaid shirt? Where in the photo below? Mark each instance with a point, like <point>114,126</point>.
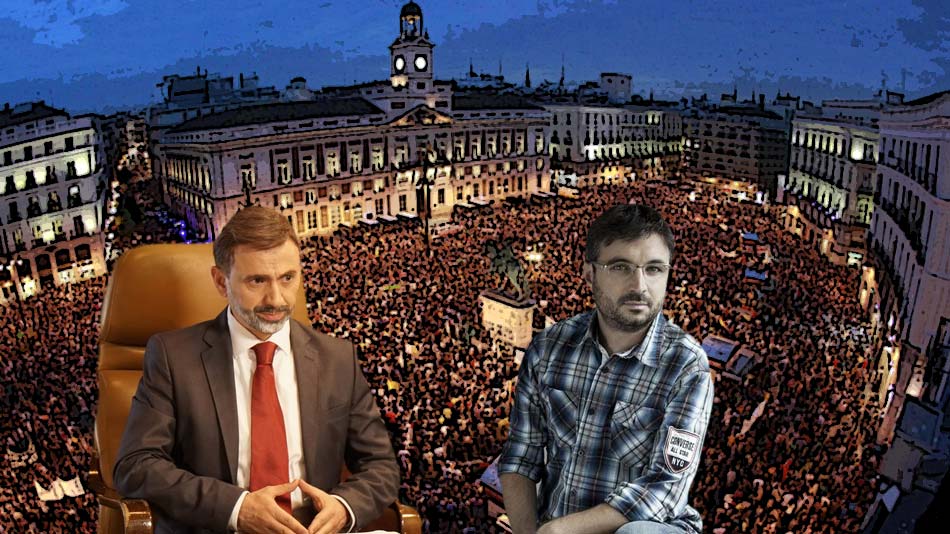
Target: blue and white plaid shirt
<point>625,430</point>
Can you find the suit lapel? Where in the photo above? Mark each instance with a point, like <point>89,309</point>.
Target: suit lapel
<point>307,368</point>
<point>219,369</point>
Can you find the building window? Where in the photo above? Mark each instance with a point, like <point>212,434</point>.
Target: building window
<point>33,207</point>
<point>333,164</point>
<point>248,178</point>
<point>69,143</point>
<point>73,199</point>
<point>14,211</point>
<point>283,172</point>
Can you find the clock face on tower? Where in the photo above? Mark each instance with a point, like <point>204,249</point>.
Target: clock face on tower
<point>421,63</point>
<point>399,63</point>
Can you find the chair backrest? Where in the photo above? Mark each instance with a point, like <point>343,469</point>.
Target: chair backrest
<point>154,288</point>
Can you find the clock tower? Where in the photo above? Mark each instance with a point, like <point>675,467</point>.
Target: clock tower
<point>410,54</point>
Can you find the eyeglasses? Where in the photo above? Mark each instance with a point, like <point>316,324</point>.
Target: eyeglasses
<point>623,270</point>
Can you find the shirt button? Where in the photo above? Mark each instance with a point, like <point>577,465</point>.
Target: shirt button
<point>580,452</point>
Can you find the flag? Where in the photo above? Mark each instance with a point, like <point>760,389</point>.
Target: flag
<point>755,416</point>
<point>55,492</point>
<point>72,487</point>
<point>724,254</point>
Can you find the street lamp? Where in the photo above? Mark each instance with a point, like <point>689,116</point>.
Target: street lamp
<point>424,191</point>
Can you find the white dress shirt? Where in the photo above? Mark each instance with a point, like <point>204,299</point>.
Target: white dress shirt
<point>285,376</point>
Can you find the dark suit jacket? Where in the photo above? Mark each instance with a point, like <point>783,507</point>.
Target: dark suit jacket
<point>179,449</point>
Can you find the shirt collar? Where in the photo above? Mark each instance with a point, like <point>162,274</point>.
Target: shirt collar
<point>647,351</point>
<point>243,341</point>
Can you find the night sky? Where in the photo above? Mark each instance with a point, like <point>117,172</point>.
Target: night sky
<point>100,55</point>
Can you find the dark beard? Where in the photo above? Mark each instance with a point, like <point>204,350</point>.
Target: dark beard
<point>612,314</point>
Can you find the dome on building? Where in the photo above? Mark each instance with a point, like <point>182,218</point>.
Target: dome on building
<point>411,9</point>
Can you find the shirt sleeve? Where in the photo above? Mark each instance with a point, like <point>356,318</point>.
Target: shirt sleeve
<point>232,522</point>
<point>662,489</point>
<point>349,513</point>
<point>523,453</point>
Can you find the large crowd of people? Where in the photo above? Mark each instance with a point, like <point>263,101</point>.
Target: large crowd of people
<point>48,375</point>
<point>790,446</point>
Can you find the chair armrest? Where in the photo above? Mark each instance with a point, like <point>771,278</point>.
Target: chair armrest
<point>136,513</point>
<point>136,516</point>
<point>411,522</point>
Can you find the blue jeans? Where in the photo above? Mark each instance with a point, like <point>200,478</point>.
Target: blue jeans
<point>647,527</point>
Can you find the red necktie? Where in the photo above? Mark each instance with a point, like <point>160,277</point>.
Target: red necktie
<point>269,463</point>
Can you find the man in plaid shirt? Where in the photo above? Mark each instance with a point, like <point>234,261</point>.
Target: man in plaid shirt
<point>612,404</point>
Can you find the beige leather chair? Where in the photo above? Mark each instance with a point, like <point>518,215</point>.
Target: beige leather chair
<point>156,288</point>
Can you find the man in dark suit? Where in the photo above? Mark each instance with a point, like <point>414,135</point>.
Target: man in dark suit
<point>243,423</point>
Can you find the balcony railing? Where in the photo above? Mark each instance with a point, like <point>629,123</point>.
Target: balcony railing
<point>57,238</point>
<point>884,262</point>
<point>911,229</point>
<point>74,234</point>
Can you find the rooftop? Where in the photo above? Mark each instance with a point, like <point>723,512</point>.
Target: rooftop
<point>927,99</point>
<point>489,101</point>
<point>750,112</point>
<point>280,112</point>
<point>28,112</point>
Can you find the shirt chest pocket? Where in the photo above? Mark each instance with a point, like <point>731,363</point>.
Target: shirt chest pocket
<point>561,406</point>
<point>633,431</point>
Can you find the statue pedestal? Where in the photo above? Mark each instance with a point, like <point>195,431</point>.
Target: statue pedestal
<point>506,319</point>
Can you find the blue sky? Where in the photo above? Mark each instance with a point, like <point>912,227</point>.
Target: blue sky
<point>106,54</point>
